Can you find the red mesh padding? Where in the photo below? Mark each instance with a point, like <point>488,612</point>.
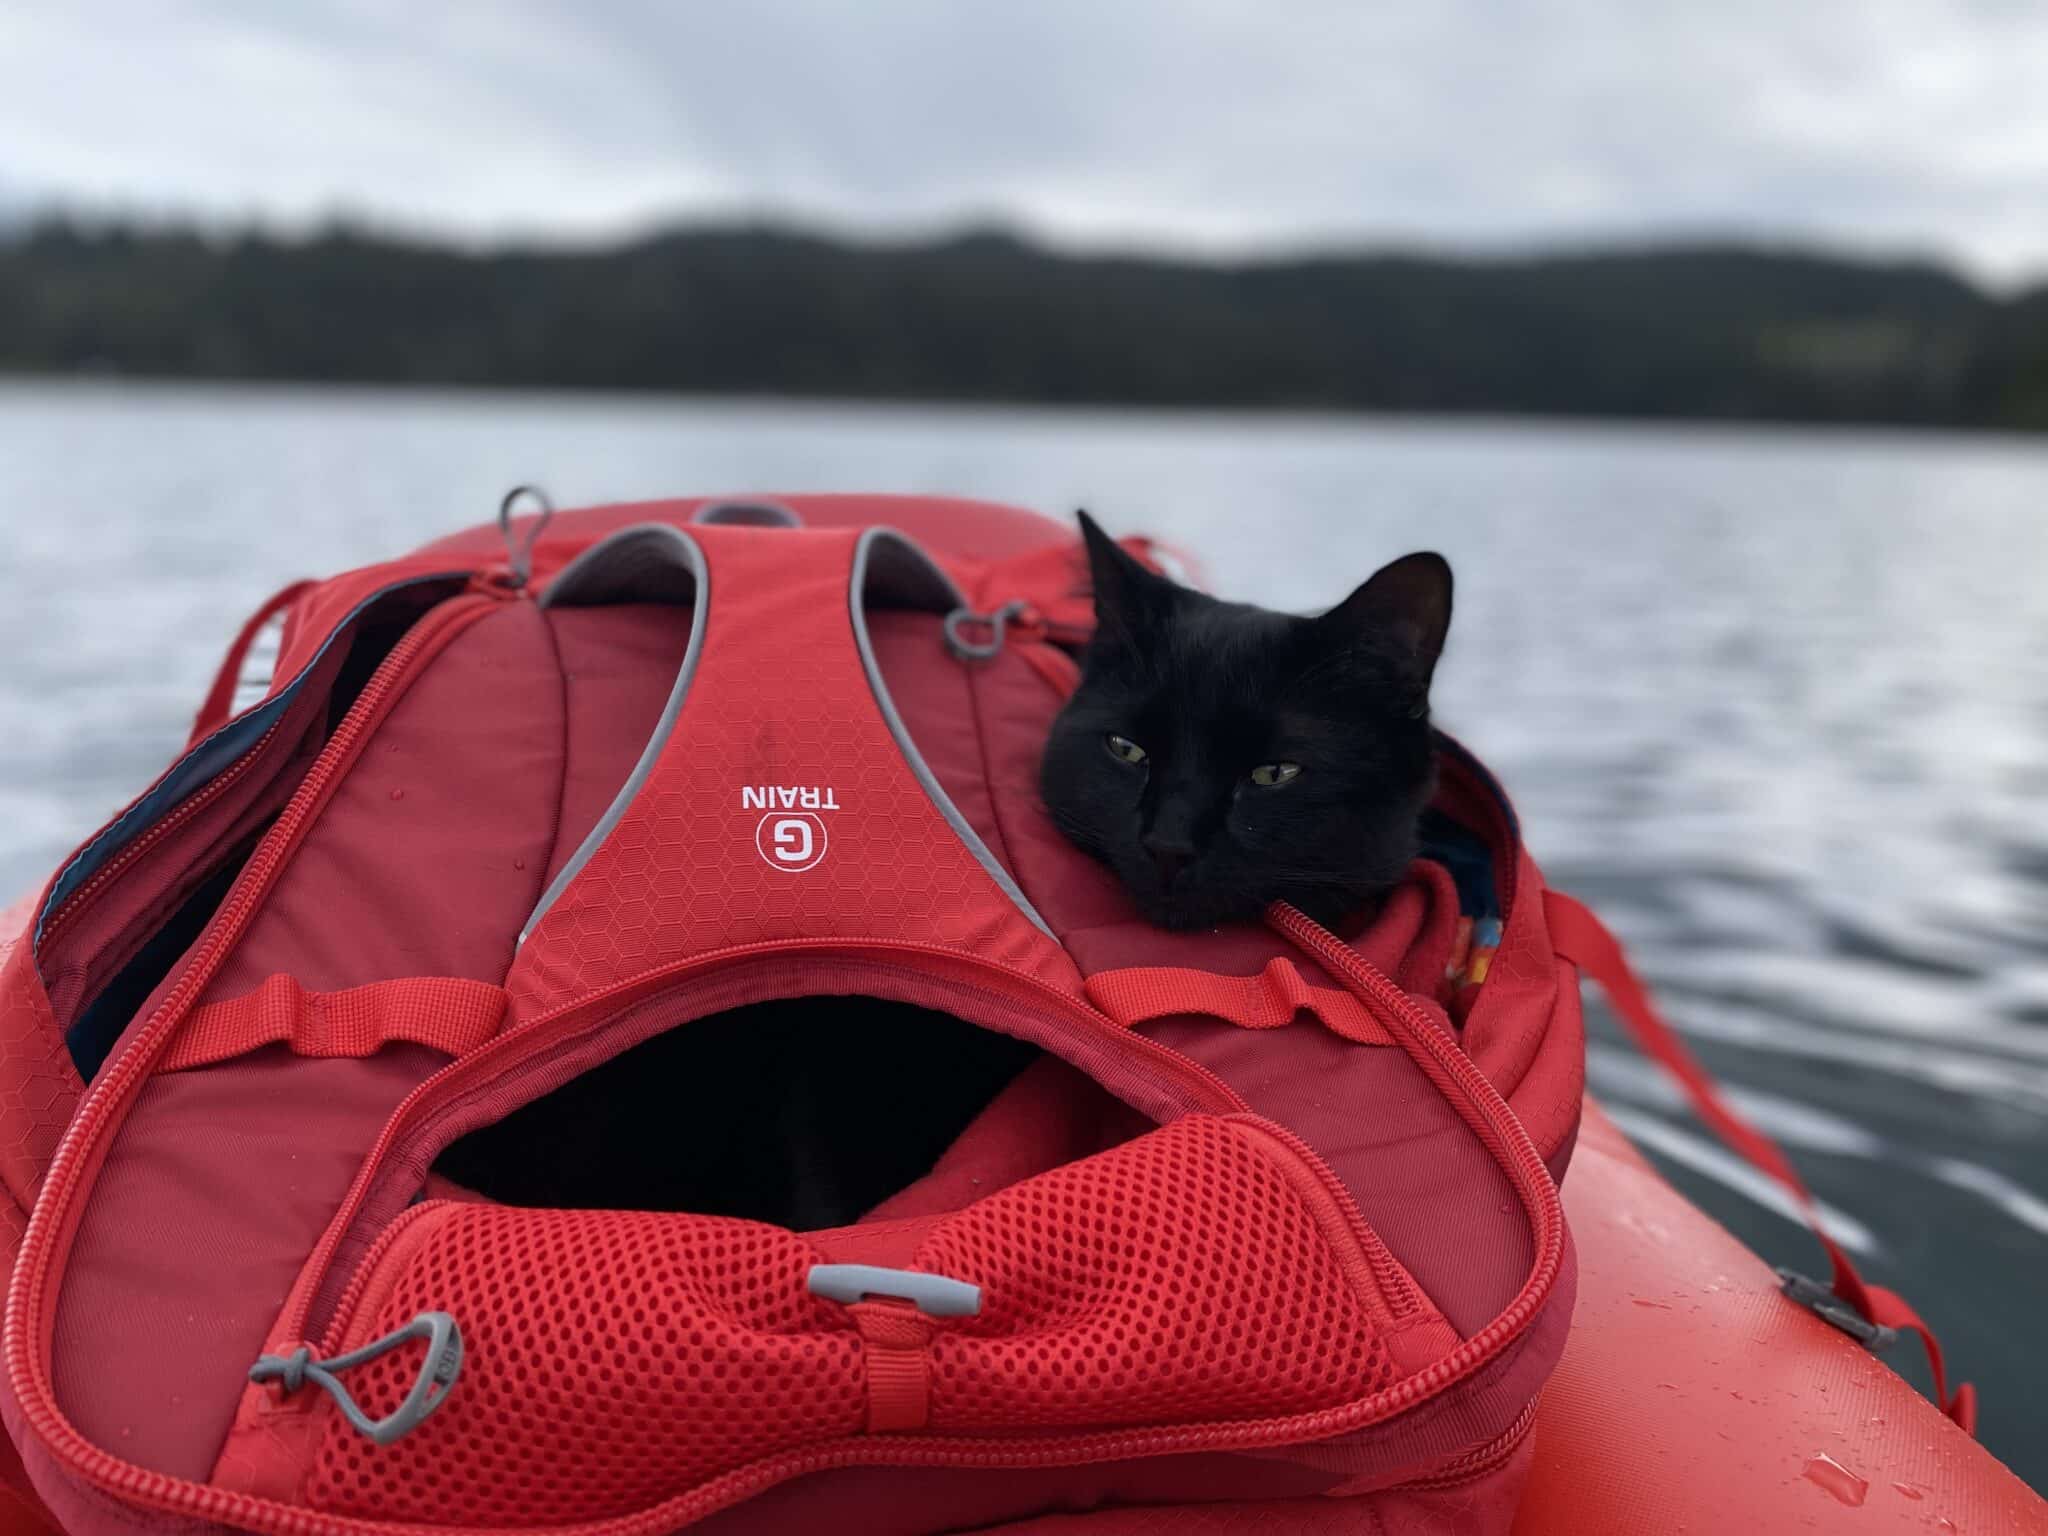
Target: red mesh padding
<point>618,1359</point>
<point>614,1359</point>
<point>1177,1278</point>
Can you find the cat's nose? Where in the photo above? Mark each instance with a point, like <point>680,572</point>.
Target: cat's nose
<point>1169,857</point>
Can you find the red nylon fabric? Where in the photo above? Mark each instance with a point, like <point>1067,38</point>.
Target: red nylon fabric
<point>22,1513</point>
<point>429,854</point>
<point>444,1013</point>
<point>100,926</point>
<point>39,1086</point>
<point>220,698</point>
<point>685,871</point>
<point>1050,1115</point>
<point>322,607</point>
<point>1584,939</point>
<point>1275,997</point>
<point>217,1188</point>
<point>615,666</point>
<point>869,1501</point>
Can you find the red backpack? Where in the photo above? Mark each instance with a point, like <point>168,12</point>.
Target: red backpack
<point>1270,1225</point>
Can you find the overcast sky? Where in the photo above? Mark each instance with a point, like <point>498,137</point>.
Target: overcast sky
<point>1914,125</point>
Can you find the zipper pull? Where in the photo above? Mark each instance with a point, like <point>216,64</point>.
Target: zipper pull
<point>437,1375</point>
<point>512,577</point>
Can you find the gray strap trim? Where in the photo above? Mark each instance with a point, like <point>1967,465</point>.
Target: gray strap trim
<point>747,514</point>
<point>649,562</point>
<point>888,565</point>
<point>646,563</point>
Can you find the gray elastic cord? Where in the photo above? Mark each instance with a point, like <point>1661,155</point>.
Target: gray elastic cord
<point>438,1371</point>
<point>907,577</point>
<point>747,514</point>
<point>933,1295</point>
<point>519,556</point>
<point>995,623</point>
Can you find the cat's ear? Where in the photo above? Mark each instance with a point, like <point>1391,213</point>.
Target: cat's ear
<point>1407,601</point>
<point>1128,596</point>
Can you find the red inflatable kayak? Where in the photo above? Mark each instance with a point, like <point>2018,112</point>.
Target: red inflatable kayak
<point>1692,1397</point>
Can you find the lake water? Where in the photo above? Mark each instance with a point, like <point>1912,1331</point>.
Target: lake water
<point>1776,702</point>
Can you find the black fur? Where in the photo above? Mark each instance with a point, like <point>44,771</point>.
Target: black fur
<point>1212,690</point>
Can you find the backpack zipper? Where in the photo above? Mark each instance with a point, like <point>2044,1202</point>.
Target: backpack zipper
<point>1339,1211</point>
<point>200,798</point>
<point>29,1297</point>
<point>1478,1103</point>
<point>160,1491</point>
<point>1481,1462</point>
<point>178,816</point>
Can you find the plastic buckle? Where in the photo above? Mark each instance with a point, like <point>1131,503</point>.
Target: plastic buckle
<point>1830,1308</point>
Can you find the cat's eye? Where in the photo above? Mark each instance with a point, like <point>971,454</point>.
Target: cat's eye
<point>1123,749</point>
<point>1267,775</point>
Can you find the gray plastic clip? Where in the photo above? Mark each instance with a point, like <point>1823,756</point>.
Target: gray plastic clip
<point>1829,1307</point>
<point>980,650</point>
<point>933,1295</point>
<point>436,1379</point>
<point>1824,1304</point>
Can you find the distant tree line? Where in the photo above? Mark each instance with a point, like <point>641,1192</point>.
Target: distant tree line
<point>1721,332</point>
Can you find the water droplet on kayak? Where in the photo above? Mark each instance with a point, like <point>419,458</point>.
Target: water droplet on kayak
<point>517,862</point>
<point>1826,1472</point>
<point>1945,1524</point>
<point>1908,1491</point>
<point>1645,1301</point>
<point>398,794</point>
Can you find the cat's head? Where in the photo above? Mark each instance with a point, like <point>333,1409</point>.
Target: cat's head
<point>1219,756</point>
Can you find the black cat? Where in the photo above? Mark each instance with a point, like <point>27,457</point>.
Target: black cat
<point>1219,756</point>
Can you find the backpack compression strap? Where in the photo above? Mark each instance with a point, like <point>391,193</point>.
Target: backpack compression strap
<point>1583,939</point>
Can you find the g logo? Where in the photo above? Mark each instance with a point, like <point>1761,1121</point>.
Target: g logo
<point>790,840</point>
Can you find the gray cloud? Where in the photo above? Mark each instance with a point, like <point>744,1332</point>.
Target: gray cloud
<point>1895,124</point>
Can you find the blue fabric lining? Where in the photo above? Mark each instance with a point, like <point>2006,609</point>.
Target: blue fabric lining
<point>1461,850</point>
